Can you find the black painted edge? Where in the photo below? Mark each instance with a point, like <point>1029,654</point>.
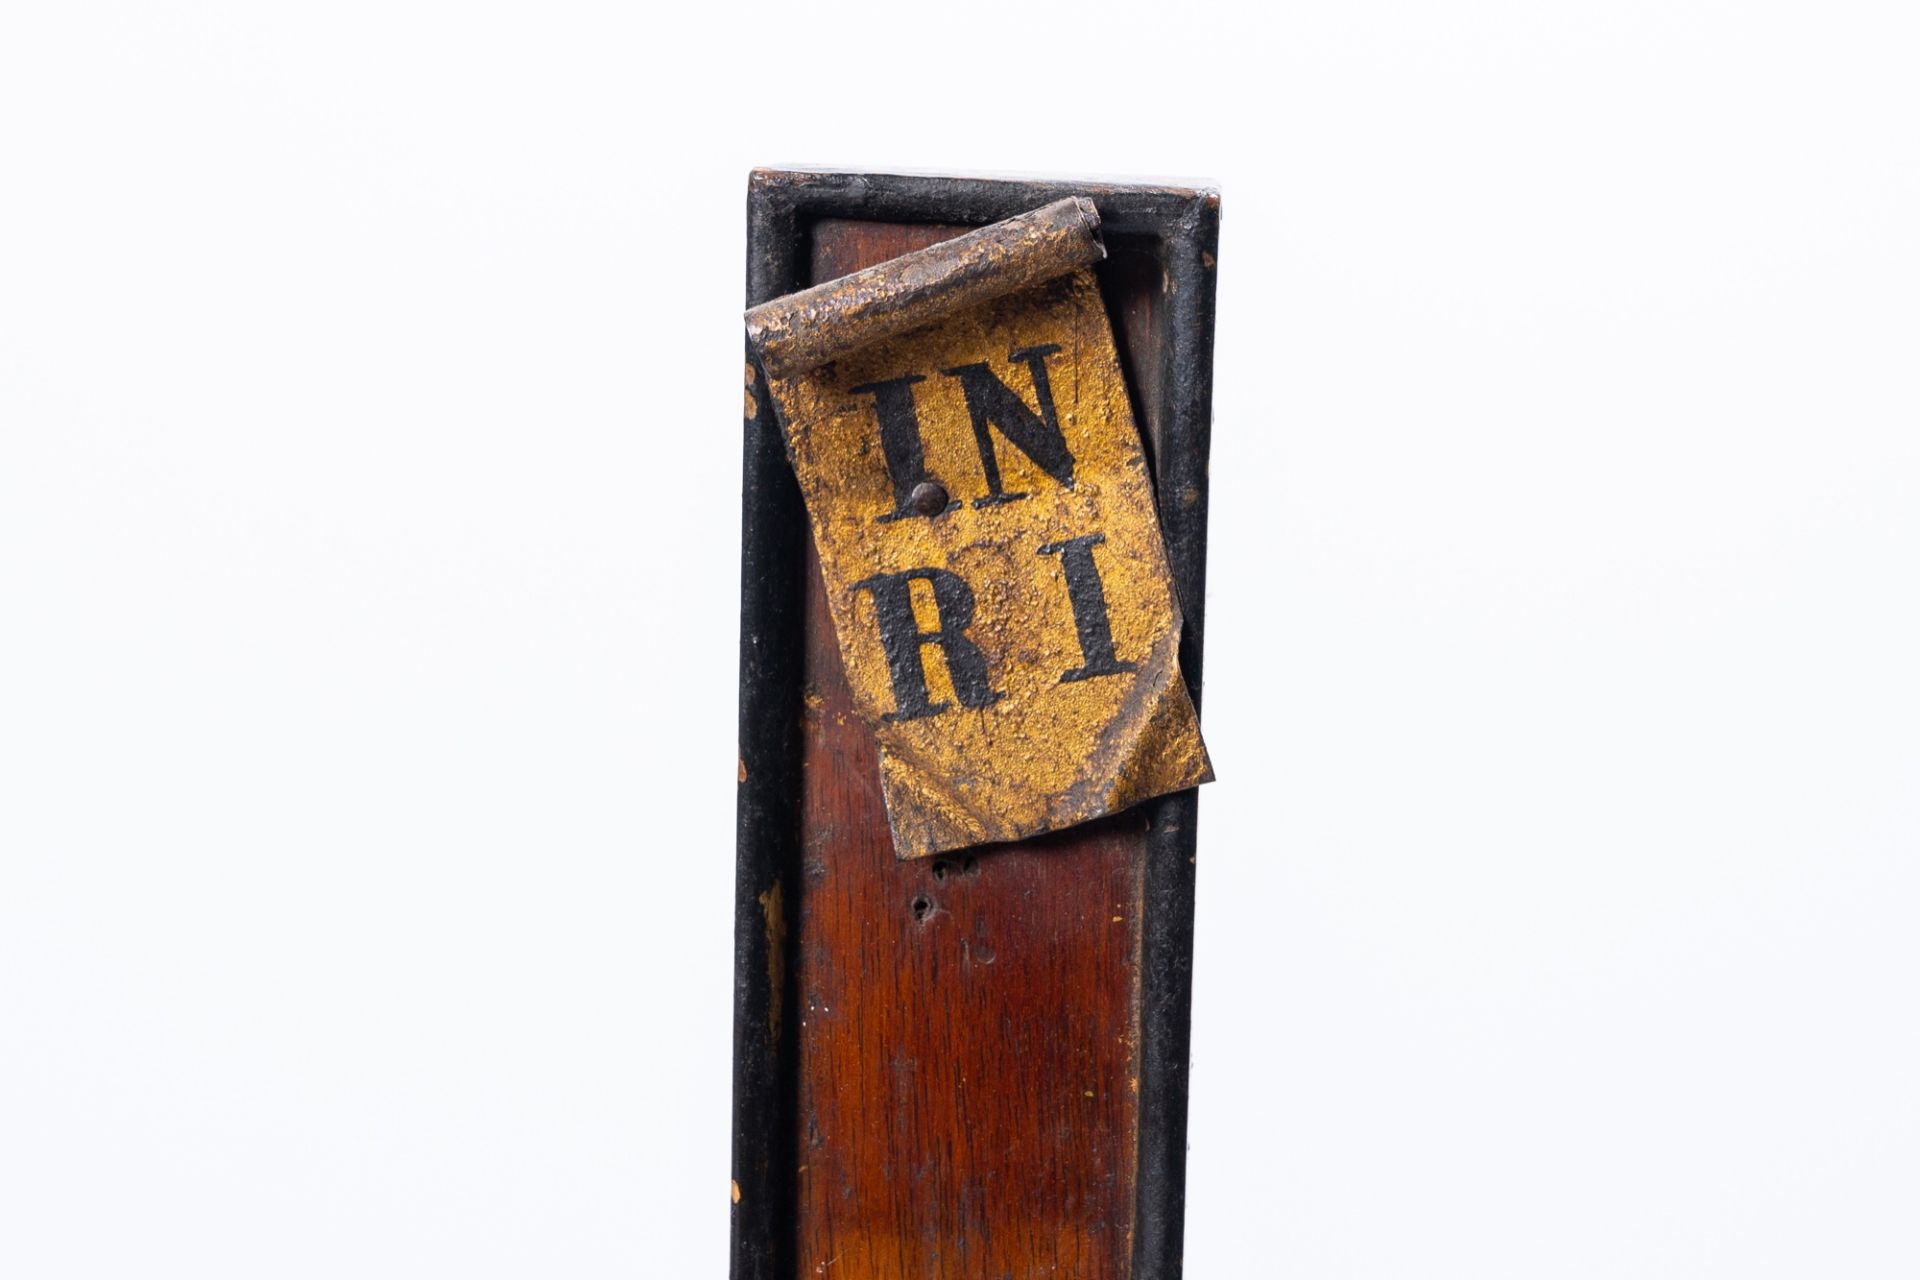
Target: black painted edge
<point>1183,222</point>
<point>772,635</point>
<point>887,197</point>
<point>1190,250</point>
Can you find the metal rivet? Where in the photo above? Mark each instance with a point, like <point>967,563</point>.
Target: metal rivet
<point>928,498</point>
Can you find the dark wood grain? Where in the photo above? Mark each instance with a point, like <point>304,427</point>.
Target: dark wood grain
<point>968,1038</point>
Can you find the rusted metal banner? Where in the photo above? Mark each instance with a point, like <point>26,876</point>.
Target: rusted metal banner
<point>984,520</point>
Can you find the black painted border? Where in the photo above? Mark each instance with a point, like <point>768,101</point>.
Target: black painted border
<point>1183,224</point>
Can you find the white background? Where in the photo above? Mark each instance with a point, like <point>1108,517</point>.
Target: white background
<point>369,380</point>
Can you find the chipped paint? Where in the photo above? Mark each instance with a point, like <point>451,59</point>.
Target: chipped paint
<point>773,908</point>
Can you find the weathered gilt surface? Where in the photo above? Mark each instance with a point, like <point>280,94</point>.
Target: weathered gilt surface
<point>985,525</point>
<point>838,317</point>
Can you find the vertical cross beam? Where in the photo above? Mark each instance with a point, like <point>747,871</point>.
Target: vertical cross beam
<point>969,1066</point>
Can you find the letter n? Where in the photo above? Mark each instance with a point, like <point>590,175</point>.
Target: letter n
<point>992,404</point>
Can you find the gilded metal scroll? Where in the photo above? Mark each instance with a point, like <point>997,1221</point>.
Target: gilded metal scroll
<point>984,517</point>
<point>802,330</point>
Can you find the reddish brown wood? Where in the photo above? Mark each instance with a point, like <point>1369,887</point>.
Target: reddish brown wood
<point>968,1031</point>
